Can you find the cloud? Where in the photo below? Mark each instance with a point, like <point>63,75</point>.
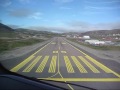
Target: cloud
<point>85,26</point>
<point>63,1</point>
<point>25,13</point>
<point>51,29</point>
<point>108,26</point>
<point>20,13</point>
<point>36,15</point>
<point>99,8</point>
<point>5,3</point>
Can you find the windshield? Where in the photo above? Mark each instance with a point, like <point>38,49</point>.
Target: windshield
<point>73,41</point>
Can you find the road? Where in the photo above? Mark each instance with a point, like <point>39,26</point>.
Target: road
<point>61,61</point>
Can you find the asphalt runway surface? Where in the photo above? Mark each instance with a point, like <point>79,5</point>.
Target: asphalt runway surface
<point>59,60</point>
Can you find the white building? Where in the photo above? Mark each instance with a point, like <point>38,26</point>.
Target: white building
<point>86,37</point>
<point>95,42</point>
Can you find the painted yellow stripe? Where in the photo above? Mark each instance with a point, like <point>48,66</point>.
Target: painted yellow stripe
<point>20,65</point>
<point>32,64</point>
<point>77,49</point>
<point>89,65</point>
<point>63,43</point>
<point>41,48</point>
<point>55,51</point>
<point>53,43</point>
<point>84,79</point>
<point>63,51</point>
<point>79,65</point>
<point>42,65</point>
<point>116,74</point>
<point>103,67</point>
<point>68,64</point>
<point>52,68</point>
<point>16,68</point>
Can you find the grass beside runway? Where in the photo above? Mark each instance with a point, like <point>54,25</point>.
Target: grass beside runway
<point>6,44</point>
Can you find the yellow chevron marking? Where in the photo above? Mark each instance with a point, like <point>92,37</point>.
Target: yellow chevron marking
<point>52,67</point>
<point>103,67</point>
<point>79,65</point>
<point>20,65</point>
<point>68,64</point>
<point>32,64</point>
<point>89,65</point>
<point>42,65</point>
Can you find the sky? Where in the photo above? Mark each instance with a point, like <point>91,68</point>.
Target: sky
<point>61,15</point>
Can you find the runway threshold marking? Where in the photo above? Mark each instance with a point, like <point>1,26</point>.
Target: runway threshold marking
<point>55,51</point>
<point>42,64</point>
<point>84,79</point>
<point>61,74</point>
<point>63,51</point>
<point>68,65</point>
<point>53,43</point>
<point>63,43</point>
<point>91,67</point>
<point>52,67</point>
<point>32,64</point>
<point>79,65</point>
<point>103,67</point>
<point>20,65</point>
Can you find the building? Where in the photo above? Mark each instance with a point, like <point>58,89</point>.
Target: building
<point>86,37</point>
<point>95,42</point>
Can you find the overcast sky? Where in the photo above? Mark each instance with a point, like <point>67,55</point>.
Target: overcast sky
<point>61,15</point>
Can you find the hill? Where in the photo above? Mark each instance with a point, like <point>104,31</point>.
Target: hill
<point>102,33</point>
<point>6,31</point>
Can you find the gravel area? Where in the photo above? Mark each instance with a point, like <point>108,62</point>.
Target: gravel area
<point>17,52</point>
<point>109,55</point>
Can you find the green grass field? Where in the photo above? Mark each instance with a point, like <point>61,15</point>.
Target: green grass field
<point>10,44</point>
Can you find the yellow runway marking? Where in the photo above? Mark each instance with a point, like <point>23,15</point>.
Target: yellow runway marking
<point>20,65</point>
<point>55,51</point>
<point>84,79</point>
<point>53,43</point>
<point>89,65</point>
<point>103,67</point>
<point>42,65</point>
<point>79,65</point>
<point>32,64</point>
<point>52,68</point>
<point>41,48</point>
<point>63,43</point>
<point>60,73</point>
<point>77,49</point>
<point>68,64</point>
<point>63,51</point>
